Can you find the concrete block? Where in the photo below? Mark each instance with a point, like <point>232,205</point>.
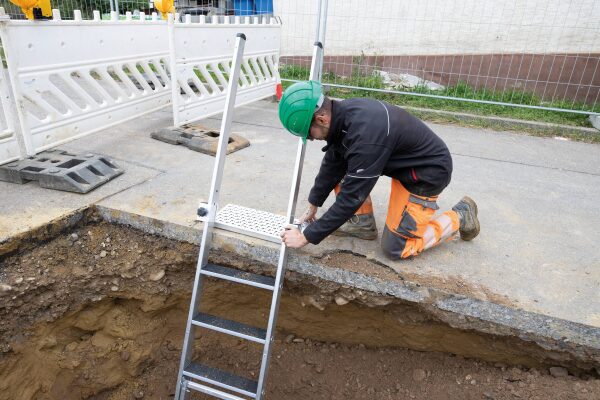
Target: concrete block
<point>595,120</point>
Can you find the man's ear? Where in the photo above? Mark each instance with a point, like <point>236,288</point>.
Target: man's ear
<point>322,119</point>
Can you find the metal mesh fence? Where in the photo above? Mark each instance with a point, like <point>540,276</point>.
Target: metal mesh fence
<point>193,7</point>
<point>527,53</point>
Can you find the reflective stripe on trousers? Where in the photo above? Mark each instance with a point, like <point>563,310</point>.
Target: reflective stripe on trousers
<point>410,227</point>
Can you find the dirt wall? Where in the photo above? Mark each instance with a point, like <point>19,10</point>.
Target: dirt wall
<point>94,309</point>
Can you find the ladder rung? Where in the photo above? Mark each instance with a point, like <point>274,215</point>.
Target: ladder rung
<point>218,393</point>
<point>230,327</point>
<point>221,379</point>
<point>235,275</point>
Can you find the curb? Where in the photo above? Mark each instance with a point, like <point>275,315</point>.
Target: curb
<point>509,123</point>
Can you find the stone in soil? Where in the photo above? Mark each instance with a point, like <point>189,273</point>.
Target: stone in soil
<point>558,372</point>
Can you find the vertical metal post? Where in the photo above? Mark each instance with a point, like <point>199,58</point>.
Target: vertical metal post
<point>318,27</point>
<point>112,5</point>
<point>283,254</point>
<point>215,188</point>
<point>316,64</point>
<point>322,8</point>
<point>175,90</point>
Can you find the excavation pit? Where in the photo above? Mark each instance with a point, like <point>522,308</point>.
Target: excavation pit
<point>96,310</point>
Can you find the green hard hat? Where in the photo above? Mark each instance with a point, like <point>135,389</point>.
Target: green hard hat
<point>297,106</point>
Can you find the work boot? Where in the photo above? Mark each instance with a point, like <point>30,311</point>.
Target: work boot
<point>466,209</point>
<point>359,226</point>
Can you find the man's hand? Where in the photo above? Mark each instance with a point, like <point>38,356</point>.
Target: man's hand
<point>293,238</point>
<point>309,215</point>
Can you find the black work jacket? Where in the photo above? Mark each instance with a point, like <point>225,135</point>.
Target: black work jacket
<point>369,138</point>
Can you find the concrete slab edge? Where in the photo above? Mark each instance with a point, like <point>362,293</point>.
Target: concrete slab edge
<point>581,341</point>
<point>31,237</point>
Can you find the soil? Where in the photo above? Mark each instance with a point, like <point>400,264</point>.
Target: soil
<point>99,313</point>
<point>359,263</point>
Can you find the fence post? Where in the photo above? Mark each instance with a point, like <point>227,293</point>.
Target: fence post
<point>16,106</point>
<point>173,65</point>
<point>322,6</point>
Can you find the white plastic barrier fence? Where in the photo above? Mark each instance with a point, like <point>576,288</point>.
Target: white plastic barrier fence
<point>202,52</point>
<point>10,145</point>
<point>72,78</point>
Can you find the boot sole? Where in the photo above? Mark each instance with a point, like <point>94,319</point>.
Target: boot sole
<point>471,220</point>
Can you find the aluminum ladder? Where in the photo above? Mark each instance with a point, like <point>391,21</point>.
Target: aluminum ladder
<point>194,376</point>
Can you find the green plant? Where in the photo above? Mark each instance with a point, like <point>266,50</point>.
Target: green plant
<point>461,90</point>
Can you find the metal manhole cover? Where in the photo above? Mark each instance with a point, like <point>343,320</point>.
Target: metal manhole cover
<point>198,138</point>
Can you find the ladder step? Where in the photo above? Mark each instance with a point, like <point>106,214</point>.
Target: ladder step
<point>235,275</point>
<point>221,379</point>
<point>230,327</point>
<point>218,393</point>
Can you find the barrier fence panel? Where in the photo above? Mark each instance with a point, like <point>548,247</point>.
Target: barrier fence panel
<point>9,142</point>
<point>526,53</point>
<point>202,53</point>
<point>69,78</point>
<point>72,78</point>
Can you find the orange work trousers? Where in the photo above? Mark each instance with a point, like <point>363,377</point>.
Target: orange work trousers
<point>410,226</point>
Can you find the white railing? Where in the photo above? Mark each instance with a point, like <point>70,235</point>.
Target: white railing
<point>10,148</point>
<point>202,67</point>
<point>70,78</point>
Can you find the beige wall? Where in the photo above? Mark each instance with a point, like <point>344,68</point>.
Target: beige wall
<point>437,27</point>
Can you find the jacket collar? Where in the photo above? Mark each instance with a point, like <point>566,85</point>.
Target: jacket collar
<point>335,128</point>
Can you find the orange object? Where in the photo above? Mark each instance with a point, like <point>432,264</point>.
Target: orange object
<point>27,7</point>
<point>164,7</point>
<point>410,227</point>
<point>279,91</point>
<point>365,208</point>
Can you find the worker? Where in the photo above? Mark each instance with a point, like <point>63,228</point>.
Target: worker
<point>366,139</point>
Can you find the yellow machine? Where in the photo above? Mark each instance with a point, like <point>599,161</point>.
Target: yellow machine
<point>44,9</point>
<point>165,7</point>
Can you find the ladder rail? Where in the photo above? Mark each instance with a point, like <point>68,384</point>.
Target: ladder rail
<point>210,222</point>
<point>187,348</point>
<point>283,252</point>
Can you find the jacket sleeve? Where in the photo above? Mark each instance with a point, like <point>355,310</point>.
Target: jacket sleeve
<point>333,168</point>
<point>365,163</point>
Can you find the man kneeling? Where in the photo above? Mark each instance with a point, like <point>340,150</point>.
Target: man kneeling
<point>366,139</point>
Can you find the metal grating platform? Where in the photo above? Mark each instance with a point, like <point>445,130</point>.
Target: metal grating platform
<point>251,222</point>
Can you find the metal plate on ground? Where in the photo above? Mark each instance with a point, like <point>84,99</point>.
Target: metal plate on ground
<point>199,138</point>
<point>62,170</point>
<point>251,222</point>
